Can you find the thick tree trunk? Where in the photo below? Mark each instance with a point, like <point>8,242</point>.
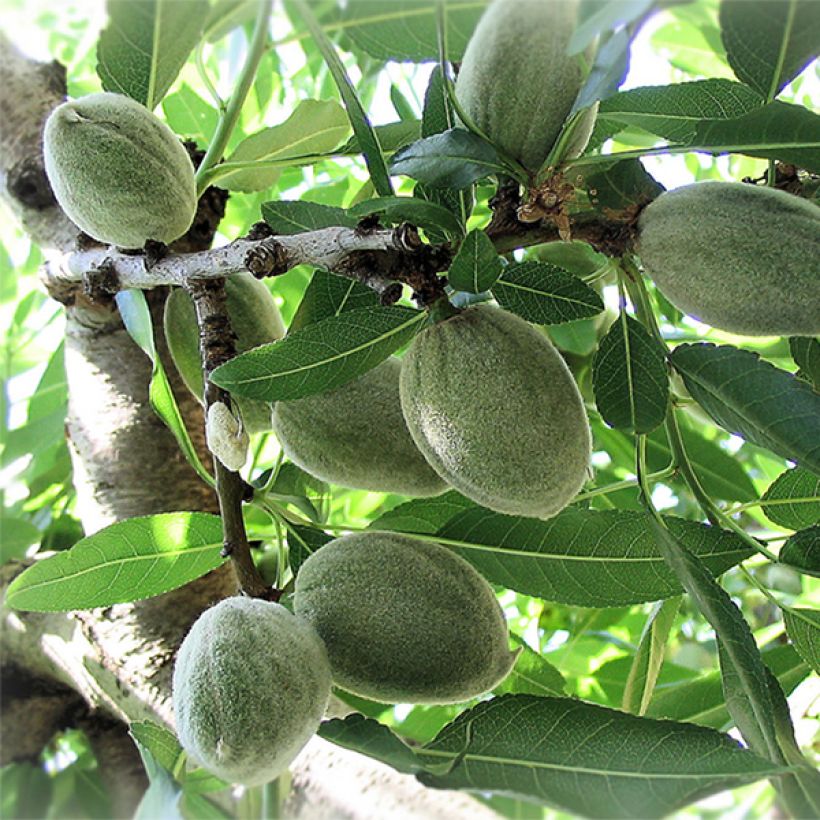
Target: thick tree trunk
<point>100,669</point>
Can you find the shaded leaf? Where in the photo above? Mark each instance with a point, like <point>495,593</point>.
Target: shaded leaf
<point>423,515</point>
<point>371,738</point>
<point>646,664</point>
<point>314,127</point>
<point>330,295</point>
<point>803,627</point>
<point>674,111</point>
<point>190,116</point>
<point>608,71</point>
<point>806,354</point>
<point>789,133</point>
<point>290,217</point>
<point>144,45</point>
<point>419,212</point>
<point>16,536</point>
<point>605,17</point>
<point>302,543</point>
<point>406,29</point>
<point>532,673</point>
<point>747,694</point>
<point>452,159</point>
<point>769,42</point>
<point>320,356</point>
<point>620,189</point>
<point>476,266</point>
<point>161,742</point>
<point>793,499</point>
<point>437,114</point>
<point>750,397</point>
<point>583,557</point>
<point>587,759</point>
<point>629,377</point>
<point>391,136</point>
<point>127,561</point>
<point>545,294</point>
<point>802,551</point>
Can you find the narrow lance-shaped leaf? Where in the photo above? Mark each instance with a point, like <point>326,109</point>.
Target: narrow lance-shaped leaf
<point>586,759</point>
<point>330,295</point>
<point>629,377</point>
<point>545,294</point>
<point>744,674</point>
<point>290,217</point>
<point>321,356</point>
<point>532,673</point>
<point>806,354</point>
<point>423,515</point>
<point>583,557</point>
<point>137,320</point>
<point>476,266</point>
<point>769,42</point>
<point>411,209</point>
<point>369,142</point>
<point>144,45</point>
<point>754,399</point>
<point>127,561</point>
<point>646,665</point>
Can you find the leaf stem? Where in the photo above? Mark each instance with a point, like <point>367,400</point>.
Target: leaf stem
<point>228,120</point>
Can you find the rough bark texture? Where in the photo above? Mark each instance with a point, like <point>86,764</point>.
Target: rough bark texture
<point>98,669</point>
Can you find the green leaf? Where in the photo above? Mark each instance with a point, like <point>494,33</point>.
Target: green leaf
<point>621,188</point>
<point>391,136</point>
<point>604,17</point>
<point>321,356</point>
<point>369,142</point>
<point>750,397</point>
<point>371,738</point>
<point>137,320</point>
<point>162,797</point>
<point>789,133</point>
<point>437,114</point>
<point>290,217</point>
<point>803,628</point>
<point>423,515</point>
<point>674,111</point>
<point>793,499</point>
<point>806,354</point>
<point>406,29</point>
<point>419,212</point>
<point>190,116</point>
<point>161,742</point>
<point>701,700</point>
<point>476,265</point>
<point>748,696</point>
<point>145,45</point>
<point>591,558</point>
<point>452,159</point>
<point>545,294</point>
<point>314,127</point>
<point>769,42</point>
<point>330,295</point>
<point>802,551</point>
<point>629,377</point>
<point>532,674</point>
<point>127,561</point>
<point>609,69</point>
<point>646,664</point>
<point>585,759</point>
<point>302,543</point>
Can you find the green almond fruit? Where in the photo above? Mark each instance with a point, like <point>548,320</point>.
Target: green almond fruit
<point>251,684</point>
<point>119,173</point>
<point>493,407</point>
<point>739,257</point>
<point>355,436</point>
<point>517,82</point>
<point>255,320</point>
<point>403,620</point>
